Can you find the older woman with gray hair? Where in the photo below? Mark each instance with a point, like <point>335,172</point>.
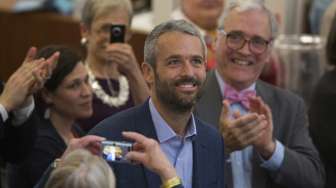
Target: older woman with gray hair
<point>82,169</point>
<point>114,72</point>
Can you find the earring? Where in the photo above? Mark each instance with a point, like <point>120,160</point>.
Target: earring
<point>83,41</point>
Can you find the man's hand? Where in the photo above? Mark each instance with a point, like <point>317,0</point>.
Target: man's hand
<point>91,143</point>
<point>265,144</point>
<point>148,152</point>
<point>240,131</point>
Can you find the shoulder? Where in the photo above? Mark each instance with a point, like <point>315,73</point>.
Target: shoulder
<point>327,82</point>
<point>47,138</point>
<point>207,132</point>
<point>112,126</point>
<point>276,95</point>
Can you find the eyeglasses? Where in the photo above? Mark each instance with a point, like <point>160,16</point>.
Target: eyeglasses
<point>236,40</point>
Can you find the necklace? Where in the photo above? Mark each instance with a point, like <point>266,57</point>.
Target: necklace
<point>114,100</point>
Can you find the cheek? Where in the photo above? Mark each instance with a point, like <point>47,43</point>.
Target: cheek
<point>201,74</point>
<point>223,54</point>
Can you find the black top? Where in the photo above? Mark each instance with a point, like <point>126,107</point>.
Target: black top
<point>49,145</point>
<point>102,110</point>
<point>16,142</point>
<point>322,119</point>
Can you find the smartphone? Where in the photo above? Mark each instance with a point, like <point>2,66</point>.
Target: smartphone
<point>117,33</point>
<point>113,151</point>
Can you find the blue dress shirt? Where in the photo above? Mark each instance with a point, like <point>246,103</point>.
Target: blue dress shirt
<point>177,149</point>
<point>241,160</point>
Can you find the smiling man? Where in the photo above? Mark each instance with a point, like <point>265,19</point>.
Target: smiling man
<point>175,70</point>
<point>264,128</point>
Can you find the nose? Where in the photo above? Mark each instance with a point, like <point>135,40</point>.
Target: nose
<point>86,90</point>
<point>187,69</point>
<point>245,49</point>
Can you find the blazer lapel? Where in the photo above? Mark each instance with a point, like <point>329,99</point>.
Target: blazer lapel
<point>258,174</point>
<point>266,93</point>
<point>145,126</point>
<point>199,162</point>
<point>211,97</point>
<point>202,160</point>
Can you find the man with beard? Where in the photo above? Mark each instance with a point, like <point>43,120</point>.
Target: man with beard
<point>175,70</point>
<point>267,143</point>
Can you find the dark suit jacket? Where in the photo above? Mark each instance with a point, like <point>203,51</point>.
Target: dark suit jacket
<point>322,119</point>
<point>301,167</point>
<point>16,142</point>
<point>48,146</point>
<point>208,150</point>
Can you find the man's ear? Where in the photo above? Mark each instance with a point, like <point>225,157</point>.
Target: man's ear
<point>148,72</point>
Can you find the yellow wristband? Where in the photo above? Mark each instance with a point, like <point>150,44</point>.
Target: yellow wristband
<point>172,182</point>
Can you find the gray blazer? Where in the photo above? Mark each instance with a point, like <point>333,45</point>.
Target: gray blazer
<point>302,167</point>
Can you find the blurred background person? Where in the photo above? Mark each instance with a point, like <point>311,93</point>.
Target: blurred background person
<point>317,10</point>
<point>322,115</point>
<point>81,169</point>
<point>204,15</point>
<point>68,97</point>
<point>61,6</point>
<point>114,73</point>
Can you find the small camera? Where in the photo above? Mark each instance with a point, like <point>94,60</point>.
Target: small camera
<point>113,151</point>
<point>117,33</point>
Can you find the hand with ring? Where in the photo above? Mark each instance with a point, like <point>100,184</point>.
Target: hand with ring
<point>26,80</point>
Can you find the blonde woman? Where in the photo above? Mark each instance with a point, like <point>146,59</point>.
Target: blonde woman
<point>82,169</point>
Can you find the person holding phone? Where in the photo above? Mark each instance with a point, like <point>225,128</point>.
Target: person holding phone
<point>175,69</point>
<point>71,170</point>
<point>114,73</point>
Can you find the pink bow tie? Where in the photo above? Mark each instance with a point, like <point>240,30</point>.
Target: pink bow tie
<point>242,97</point>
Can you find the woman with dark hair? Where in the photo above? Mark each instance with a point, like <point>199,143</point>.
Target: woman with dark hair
<point>68,97</point>
<point>322,115</point>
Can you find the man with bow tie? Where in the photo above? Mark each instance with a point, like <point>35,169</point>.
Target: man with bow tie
<point>265,132</point>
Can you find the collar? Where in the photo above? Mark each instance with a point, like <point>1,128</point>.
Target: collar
<point>222,83</point>
<point>163,130</point>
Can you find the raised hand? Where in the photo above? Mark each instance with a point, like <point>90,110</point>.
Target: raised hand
<point>91,143</point>
<point>122,56</point>
<point>240,131</point>
<point>26,80</point>
<point>148,152</point>
<point>265,144</point>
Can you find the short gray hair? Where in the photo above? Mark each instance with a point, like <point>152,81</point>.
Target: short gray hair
<point>94,8</point>
<point>150,49</point>
<point>245,5</point>
<point>82,169</point>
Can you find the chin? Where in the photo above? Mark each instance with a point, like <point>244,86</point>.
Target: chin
<point>85,114</point>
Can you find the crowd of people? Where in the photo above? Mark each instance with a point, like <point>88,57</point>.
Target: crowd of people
<point>194,114</point>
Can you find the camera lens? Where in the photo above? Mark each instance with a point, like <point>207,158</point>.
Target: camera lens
<point>116,31</point>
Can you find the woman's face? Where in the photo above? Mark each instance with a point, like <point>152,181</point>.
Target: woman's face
<point>98,35</point>
<point>73,97</point>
